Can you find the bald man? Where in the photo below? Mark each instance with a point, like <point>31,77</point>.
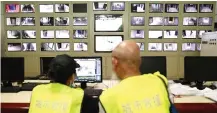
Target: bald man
<point>135,93</point>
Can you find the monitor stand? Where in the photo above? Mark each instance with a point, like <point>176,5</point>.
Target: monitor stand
<point>199,85</point>
<point>83,85</point>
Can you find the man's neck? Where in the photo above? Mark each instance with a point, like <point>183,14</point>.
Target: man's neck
<point>131,74</point>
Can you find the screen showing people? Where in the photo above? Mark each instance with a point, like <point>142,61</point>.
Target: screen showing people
<point>47,34</point>
<point>62,33</point>
<point>80,34</point>
<point>28,34</point>
<point>200,32</point>
<point>117,6</point>
<point>156,21</point>
<point>190,8</point>
<point>137,34</point>
<point>156,34</point>
<point>29,47</point>
<point>170,46</point>
<point>107,43</point>
<point>205,21</point>
<point>13,34</point>
<point>171,21</point>
<point>137,21</point>
<point>47,46</point>
<point>156,8</point>
<point>79,21</point>
<point>109,23</point>
<point>100,6</point>
<point>46,8</point>
<point>188,46</point>
<point>82,46</point>
<point>189,34</point>
<point>26,46</point>
<point>27,21</point>
<point>13,21</point>
<point>62,21</point>
<point>206,8</point>
<point>172,8</point>
<point>46,21</point>
<point>141,46</point>
<point>61,8</point>
<point>190,21</point>
<point>27,8</point>
<point>154,46</point>
<point>171,34</point>
<point>14,47</point>
<point>90,69</point>
<point>12,8</point>
<point>62,46</point>
<point>138,7</point>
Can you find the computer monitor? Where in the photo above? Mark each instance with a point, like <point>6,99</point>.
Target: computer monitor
<point>152,64</point>
<point>12,70</point>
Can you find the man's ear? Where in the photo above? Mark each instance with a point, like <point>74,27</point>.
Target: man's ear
<point>114,61</point>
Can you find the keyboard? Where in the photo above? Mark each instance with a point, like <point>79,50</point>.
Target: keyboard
<point>29,86</point>
<point>93,92</point>
<point>13,89</point>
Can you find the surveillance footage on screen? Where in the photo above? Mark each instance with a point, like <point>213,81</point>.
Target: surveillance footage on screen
<point>27,8</point>
<point>62,21</point>
<point>137,34</point>
<point>80,46</point>
<point>79,21</point>
<point>108,23</point>
<point>100,6</point>
<point>156,8</point>
<point>46,21</point>
<point>29,47</point>
<point>79,8</point>
<point>141,46</point>
<point>138,7</point>
<point>171,21</point>
<point>79,34</point>
<point>154,46</point>
<point>206,8</point>
<point>28,34</point>
<point>170,46</point>
<point>62,46</point>
<point>27,21</point>
<point>47,46</point>
<point>156,21</point>
<point>62,33</point>
<point>170,34</point>
<point>190,8</point>
<point>198,47</point>
<point>46,8</point>
<point>107,43</point>
<point>189,34</point>
<point>61,8</point>
<point>205,21</point>
<point>117,6</point>
<point>12,8</point>
<point>13,34</point>
<point>200,32</point>
<point>156,34</point>
<point>46,34</point>
<point>172,8</point>
<point>190,21</point>
<point>13,21</point>
<point>188,46</point>
<point>14,46</point>
<point>137,21</point>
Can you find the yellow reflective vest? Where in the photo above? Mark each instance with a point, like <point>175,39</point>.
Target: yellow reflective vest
<point>138,94</point>
<point>55,98</point>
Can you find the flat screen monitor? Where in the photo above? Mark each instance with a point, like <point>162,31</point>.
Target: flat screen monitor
<point>28,34</point>
<point>79,34</point>
<point>12,69</point>
<point>80,46</point>
<point>170,46</point>
<point>29,46</point>
<point>108,23</point>
<point>117,6</point>
<point>189,34</point>
<point>152,64</point>
<point>13,47</point>
<point>137,34</point>
<point>13,34</point>
<point>27,21</point>
<point>90,69</point>
<point>172,8</point>
<point>46,8</point>
<point>200,68</point>
<point>79,8</point>
<point>106,43</point>
<point>205,21</point>
<point>190,8</point>
<point>190,21</point>
<point>12,8</point>
<point>47,34</point>
<point>188,46</point>
<point>61,8</point>
<point>156,8</point>
<point>171,34</point>
<point>137,21</point>
<point>13,21</point>
<point>80,21</point>
<point>44,64</point>
<point>62,34</point>
<point>156,34</point>
<point>46,21</point>
<point>155,47</point>
<point>200,32</point>
<point>141,46</point>
<point>171,21</point>
<point>206,8</point>
<point>156,21</point>
<point>138,7</point>
<point>100,6</point>
<point>62,21</point>
<point>62,46</point>
<point>27,8</point>
<point>47,46</point>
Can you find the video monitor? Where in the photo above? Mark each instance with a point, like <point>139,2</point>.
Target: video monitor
<point>189,34</point>
<point>190,8</point>
<point>28,21</point>
<point>46,21</point>
<point>154,46</point>
<point>62,21</point>
<point>156,34</point>
<point>80,46</point>
<point>12,8</point>
<point>170,46</point>
<point>46,8</point>
<point>138,7</point>
<point>200,32</point>
<point>61,8</point>
<point>108,23</point>
<point>62,46</point>
<point>47,46</point>
<point>190,21</point>
<point>137,34</point>
<point>156,8</point>
<point>62,33</point>
<point>107,43</point>
<point>137,21</point>
<point>80,21</point>
<point>188,46</point>
<point>205,21</point>
<point>100,6</point>
<point>14,47</point>
<point>28,34</point>
<point>171,34</point>
<point>13,34</point>
<point>156,21</point>
<point>141,46</point>
<point>13,21</point>
<point>77,34</point>
<point>29,47</point>
<point>27,8</point>
<point>47,34</point>
<point>79,8</point>
<point>90,69</point>
<point>206,8</point>
<point>171,21</point>
<point>117,6</point>
<point>198,46</point>
<point>172,8</point>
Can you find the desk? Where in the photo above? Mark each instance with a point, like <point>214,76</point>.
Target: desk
<point>19,103</point>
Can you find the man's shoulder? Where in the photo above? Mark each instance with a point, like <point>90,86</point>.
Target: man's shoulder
<point>111,92</point>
